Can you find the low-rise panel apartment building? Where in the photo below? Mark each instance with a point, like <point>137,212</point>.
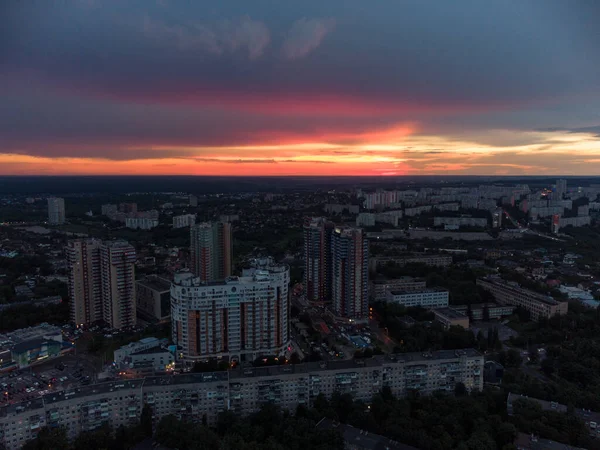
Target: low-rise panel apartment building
<point>193,396</point>
<point>494,311</point>
<point>450,317</point>
<point>379,288</point>
<point>538,305</point>
<point>426,298</point>
<point>423,258</point>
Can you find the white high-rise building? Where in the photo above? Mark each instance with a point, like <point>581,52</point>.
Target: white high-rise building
<point>561,188</point>
<point>56,210</point>
<point>241,317</point>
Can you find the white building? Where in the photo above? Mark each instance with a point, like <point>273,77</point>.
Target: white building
<point>242,317</point>
<point>122,353</point>
<point>184,221</point>
<point>56,210</point>
<point>426,298</point>
<point>141,223</point>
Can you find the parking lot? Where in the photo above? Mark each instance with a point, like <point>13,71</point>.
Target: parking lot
<point>54,375</point>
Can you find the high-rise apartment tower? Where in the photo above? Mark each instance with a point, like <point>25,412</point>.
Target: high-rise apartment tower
<point>350,273</point>
<point>211,250</point>
<point>56,210</point>
<point>83,259</point>
<point>317,259</point>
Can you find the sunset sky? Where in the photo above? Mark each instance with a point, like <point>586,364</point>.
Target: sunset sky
<point>328,87</point>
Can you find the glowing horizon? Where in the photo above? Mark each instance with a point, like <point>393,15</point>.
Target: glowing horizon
<point>296,89</point>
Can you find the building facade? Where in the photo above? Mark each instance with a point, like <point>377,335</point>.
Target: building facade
<point>211,250</point>
<point>184,221</point>
<point>538,305</point>
<point>450,317</point>
<point>350,273</point>
<point>197,395</point>
<point>117,262</point>
<point>425,298</point>
<point>153,298</point>
<point>494,311</point>
<point>423,258</point>
<point>141,223</point>
<point>460,221</point>
<point>317,259</point>
<point>379,288</point>
<point>83,260</point>
<point>241,317</point>
<point>56,210</point>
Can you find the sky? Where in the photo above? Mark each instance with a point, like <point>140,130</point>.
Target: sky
<point>328,87</point>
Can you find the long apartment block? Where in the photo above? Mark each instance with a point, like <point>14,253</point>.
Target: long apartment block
<point>538,305</point>
<point>243,390</point>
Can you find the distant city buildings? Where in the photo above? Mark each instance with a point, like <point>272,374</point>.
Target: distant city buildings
<point>538,305</point>
<point>428,259</point>
<point>211,250</point>
<point>141,223</point>
<point>102,282</point>
<point>425,298</point>
<point>457,222</point>
<point>380,288</point>
<point>241,317</point>
<point>128,214</point>
<point>193,201</point>
<point>128,208</point>
<point>56,210</point>
<point>561,188</point>
<point>184,221</point>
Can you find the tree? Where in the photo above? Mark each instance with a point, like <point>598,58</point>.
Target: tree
<point>460,389</point>
<point>486,313</point>
<point>513,358</point>
<point>480,440</point>
<point>146,420</point>
<point>506,433</point>
<point>55,439</point>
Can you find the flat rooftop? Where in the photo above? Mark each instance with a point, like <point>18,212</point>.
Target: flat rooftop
<point>360,438</point>
<point>500,283</point>
<point>420,291</point>
<point>150,351</point>
<point>232,375</point>
<point>398,280</point>
<point>449,313</point>
<point>157,284</point>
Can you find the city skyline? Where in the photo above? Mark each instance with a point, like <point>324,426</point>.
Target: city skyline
<point>314,88</point>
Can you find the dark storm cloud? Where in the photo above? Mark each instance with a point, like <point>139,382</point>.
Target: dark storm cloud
<point>595,130</point>
<point>438,52</point>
